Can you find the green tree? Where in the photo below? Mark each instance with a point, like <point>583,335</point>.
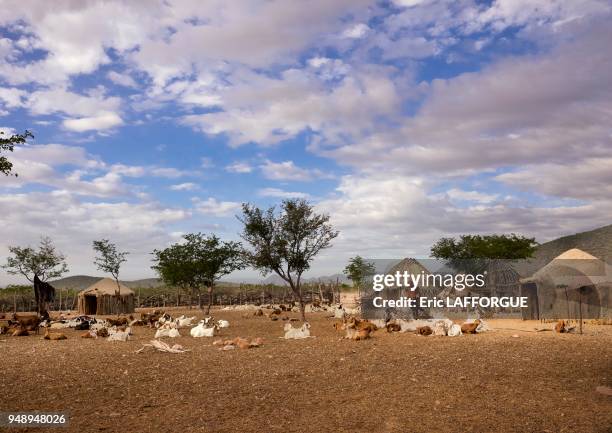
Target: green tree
<point>175,267</point>
<point>358,270</point>
<point>44,263</point>
<point>198,262</point>
<point>473,253</point>
<point>286,242</point>
<point>8,145</point>
<point>109,260</point>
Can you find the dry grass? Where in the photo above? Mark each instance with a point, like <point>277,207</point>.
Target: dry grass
<point>538,382</point>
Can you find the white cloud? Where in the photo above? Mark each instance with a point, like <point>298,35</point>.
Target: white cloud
<point>239,167</point>
<point>357,31</point>
<point>73,224</point>
<point>187,186</point>
<point>212,206</point>
<point>383,216</point>
<point>122,79</point>
<point>588,179</point>
<point>287,170</point>
<point>279,193</point>
<point>100,122</point>
<point>266,110</point>
<point>474,196</point>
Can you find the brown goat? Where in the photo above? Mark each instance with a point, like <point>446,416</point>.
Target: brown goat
<point>29,322</point>
<point>560,327</point>
<point>54,335</point>
<point>470,328</point>
<point>424,330</point>
<point>118,322</point>
<point>393,327</point>
<point>20,331</point>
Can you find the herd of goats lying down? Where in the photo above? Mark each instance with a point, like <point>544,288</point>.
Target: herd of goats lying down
<point>166,326</point>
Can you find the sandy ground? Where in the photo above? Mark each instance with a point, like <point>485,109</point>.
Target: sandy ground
<point>493,382</point>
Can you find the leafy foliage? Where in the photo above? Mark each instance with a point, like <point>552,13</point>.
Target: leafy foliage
<point>46,262</point>
<point>198,262</point>
<point>473,252</point>
<point>8,145</point>
<point>358,270</point>
<point>109,259</point>
<point>286,242</point>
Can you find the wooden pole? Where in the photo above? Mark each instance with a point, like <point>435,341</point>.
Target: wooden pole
<point>580,307</point>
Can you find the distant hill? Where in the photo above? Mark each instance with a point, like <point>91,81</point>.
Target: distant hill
<point>81,282</point>
<point>276,280</point>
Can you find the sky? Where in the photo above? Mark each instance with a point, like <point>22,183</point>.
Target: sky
<point>405,121</point>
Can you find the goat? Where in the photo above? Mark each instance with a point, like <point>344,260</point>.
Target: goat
<point>562,327</point>
<point>118,322</point>
<point>454,330</point>
<point>54,335</point>
<point>424,330</point>
<point>20,331</point>
<point>470,328</point>
<point>361,324</point>
<point>183,321</point>
<point>117,335</point>
<point>393,327</point>
<point>297,333</point>
<point>89,334</point>
<point>201,330</point>
<point>29,322</point>
<point>223,324</point>
<point>168,329</point>
<point>357,334</point>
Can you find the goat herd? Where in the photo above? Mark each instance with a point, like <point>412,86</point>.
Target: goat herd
<point>166,326</point>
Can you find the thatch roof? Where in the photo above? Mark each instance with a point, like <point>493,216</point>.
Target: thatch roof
<point>106,286</point>
<point>410,265</point>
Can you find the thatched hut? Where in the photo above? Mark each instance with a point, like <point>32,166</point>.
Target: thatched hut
<point>410,266</point>
<point>574,284</point>
<point>101,298</point>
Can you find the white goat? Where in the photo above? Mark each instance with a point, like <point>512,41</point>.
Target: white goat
<point>222,324</point>
<point>202,330</point>
<point>168,329</point>
<point>183,321</point>
<point>297,333</point>
<point>454,330</point>
<point>116,335</point>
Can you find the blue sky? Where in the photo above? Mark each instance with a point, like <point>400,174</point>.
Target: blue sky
<point>405,120</point>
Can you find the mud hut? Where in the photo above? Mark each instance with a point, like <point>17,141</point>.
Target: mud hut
<point>101,298</point>
<point>409,266</point>
<point>574,284</point>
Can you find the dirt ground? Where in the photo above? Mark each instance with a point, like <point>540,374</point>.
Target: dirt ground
<point>507,380</point>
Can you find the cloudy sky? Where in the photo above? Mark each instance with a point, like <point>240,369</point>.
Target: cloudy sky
<point>405,120</point>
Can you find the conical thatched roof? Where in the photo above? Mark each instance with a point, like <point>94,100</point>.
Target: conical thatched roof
<point>410,265</point>
<point>106,286</point>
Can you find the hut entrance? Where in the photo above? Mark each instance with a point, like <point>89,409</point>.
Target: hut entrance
<point>532,312</point>
<point>91,305</point>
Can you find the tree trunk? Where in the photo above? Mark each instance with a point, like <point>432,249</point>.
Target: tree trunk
<point>118,296</point>
<point>210,299</point>
<point>297,294</point>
